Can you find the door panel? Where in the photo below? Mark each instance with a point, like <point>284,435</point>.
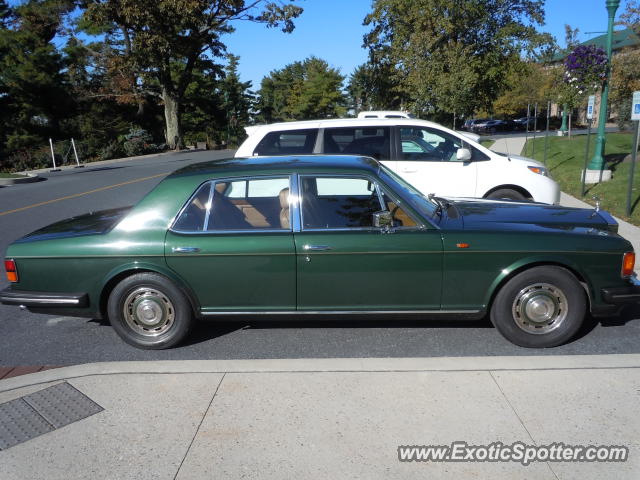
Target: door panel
<point>245,272</point>
<point>344,262</point>
<point>233,245</point>
<point>369,270</point>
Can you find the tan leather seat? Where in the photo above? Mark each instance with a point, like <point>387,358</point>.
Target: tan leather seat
<point>284,208</point>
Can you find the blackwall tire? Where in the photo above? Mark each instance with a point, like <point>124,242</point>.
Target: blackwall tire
<point>149,311</point>
<point>539,308</point>
<point>507,194</point>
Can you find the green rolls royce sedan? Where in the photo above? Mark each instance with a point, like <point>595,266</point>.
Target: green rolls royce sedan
<point>322,235</point>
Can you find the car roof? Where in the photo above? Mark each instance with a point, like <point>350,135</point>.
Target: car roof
<point>284,164</point>
<point>340,122</point>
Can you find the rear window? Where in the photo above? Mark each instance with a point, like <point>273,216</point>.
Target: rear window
<point>288,142</point>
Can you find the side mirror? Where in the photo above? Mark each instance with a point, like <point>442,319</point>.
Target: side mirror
<point>463,155</point>
<point>382,219</point>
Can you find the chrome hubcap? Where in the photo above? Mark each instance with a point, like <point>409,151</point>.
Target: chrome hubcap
<point>540,308</point>
<point>148,312</point>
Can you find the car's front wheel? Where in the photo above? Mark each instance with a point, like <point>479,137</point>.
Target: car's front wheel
<point>540,307</point>
<point>148,311</point>
<point>506,194</point>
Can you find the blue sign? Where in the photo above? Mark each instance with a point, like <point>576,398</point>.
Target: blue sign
<point>592,101</point>
<point>635,106</point>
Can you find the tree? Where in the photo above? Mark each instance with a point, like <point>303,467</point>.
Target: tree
<point>165,41</point>
<point>238,100</point>
<point>625,79</point>
<point>528,83</point>
<point>631,16</point>
<point>33,85</point>
<point>571,37</point>
<point>301,91</point>
<point>453,55</point>
<point>371,86</point>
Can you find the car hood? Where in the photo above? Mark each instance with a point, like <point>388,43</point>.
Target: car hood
<point>520,158</point>
<point>94,223</point>
<point>471,136</point>
<point>481,213</point>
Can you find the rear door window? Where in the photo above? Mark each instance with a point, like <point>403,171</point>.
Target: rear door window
<point>369,141</point>
<point>288,142</point>
<point>237,204</point>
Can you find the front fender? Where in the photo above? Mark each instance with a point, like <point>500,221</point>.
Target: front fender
<point>536,260</point>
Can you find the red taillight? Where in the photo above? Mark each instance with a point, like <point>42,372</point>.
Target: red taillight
<point>12,271</point>
<point>628,264</point>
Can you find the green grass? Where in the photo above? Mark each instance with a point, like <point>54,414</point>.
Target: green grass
<point>10,175</point>
<point>565,160</point>
<point>486,142</point>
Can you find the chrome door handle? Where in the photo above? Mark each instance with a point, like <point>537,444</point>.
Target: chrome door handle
<point>185,249</point>
<point>317,248</point>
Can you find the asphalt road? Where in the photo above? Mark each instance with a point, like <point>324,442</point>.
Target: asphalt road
<point>30,339</point>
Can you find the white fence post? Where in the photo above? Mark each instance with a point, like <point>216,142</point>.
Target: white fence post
<point>53,157</point>
<point>75,152</point>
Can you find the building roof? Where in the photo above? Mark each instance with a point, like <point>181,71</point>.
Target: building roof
<point>621,39</point>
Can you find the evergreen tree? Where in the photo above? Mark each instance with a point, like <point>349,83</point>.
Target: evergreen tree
<point>301,91</point>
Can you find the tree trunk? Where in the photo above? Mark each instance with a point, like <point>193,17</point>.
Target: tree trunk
<point>173,132</point>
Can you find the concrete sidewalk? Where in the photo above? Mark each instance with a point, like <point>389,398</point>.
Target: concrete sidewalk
<point>333,418</point>
<point>509,145</point>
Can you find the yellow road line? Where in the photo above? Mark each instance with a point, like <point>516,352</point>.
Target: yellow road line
<point>83,193</point>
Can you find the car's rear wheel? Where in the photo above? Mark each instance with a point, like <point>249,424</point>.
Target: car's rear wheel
<point>148,311</point>
<point>540,307</point>
<point>506,194</point>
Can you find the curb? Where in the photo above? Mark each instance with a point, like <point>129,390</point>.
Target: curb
<point>328,365</point>
<point>30,178</point>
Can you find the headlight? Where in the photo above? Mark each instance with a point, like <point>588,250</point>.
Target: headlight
<point>539,170</point>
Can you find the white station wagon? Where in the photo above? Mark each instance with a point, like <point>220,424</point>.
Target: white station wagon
<point>431,157</point>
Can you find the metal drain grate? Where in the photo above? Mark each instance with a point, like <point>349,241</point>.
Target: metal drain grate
<point>41,412</point>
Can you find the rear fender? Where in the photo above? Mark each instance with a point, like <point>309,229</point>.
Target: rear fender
<point>122,271</point>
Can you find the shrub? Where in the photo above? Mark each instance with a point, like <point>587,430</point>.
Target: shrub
<point>139,142</point>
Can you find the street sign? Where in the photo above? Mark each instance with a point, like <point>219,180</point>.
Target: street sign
<point>635,106</point>
<point>592,102</point>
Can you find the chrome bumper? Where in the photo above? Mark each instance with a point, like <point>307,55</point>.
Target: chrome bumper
<point>623,295</point>
<point>43,299</point>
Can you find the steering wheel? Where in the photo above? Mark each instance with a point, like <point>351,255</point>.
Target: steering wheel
<point>446,149</point>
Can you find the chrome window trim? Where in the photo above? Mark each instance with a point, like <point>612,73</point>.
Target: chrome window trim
<point>226,232</point>
<point>208,214</point>
<point>295,211</point>
<point>212,183</point>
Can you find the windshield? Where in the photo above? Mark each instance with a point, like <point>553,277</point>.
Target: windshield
<point>409,193</point>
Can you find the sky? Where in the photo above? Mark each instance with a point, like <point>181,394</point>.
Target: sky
<point>333,30</point>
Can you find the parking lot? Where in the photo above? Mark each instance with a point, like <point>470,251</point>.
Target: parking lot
<point>29,339</point>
